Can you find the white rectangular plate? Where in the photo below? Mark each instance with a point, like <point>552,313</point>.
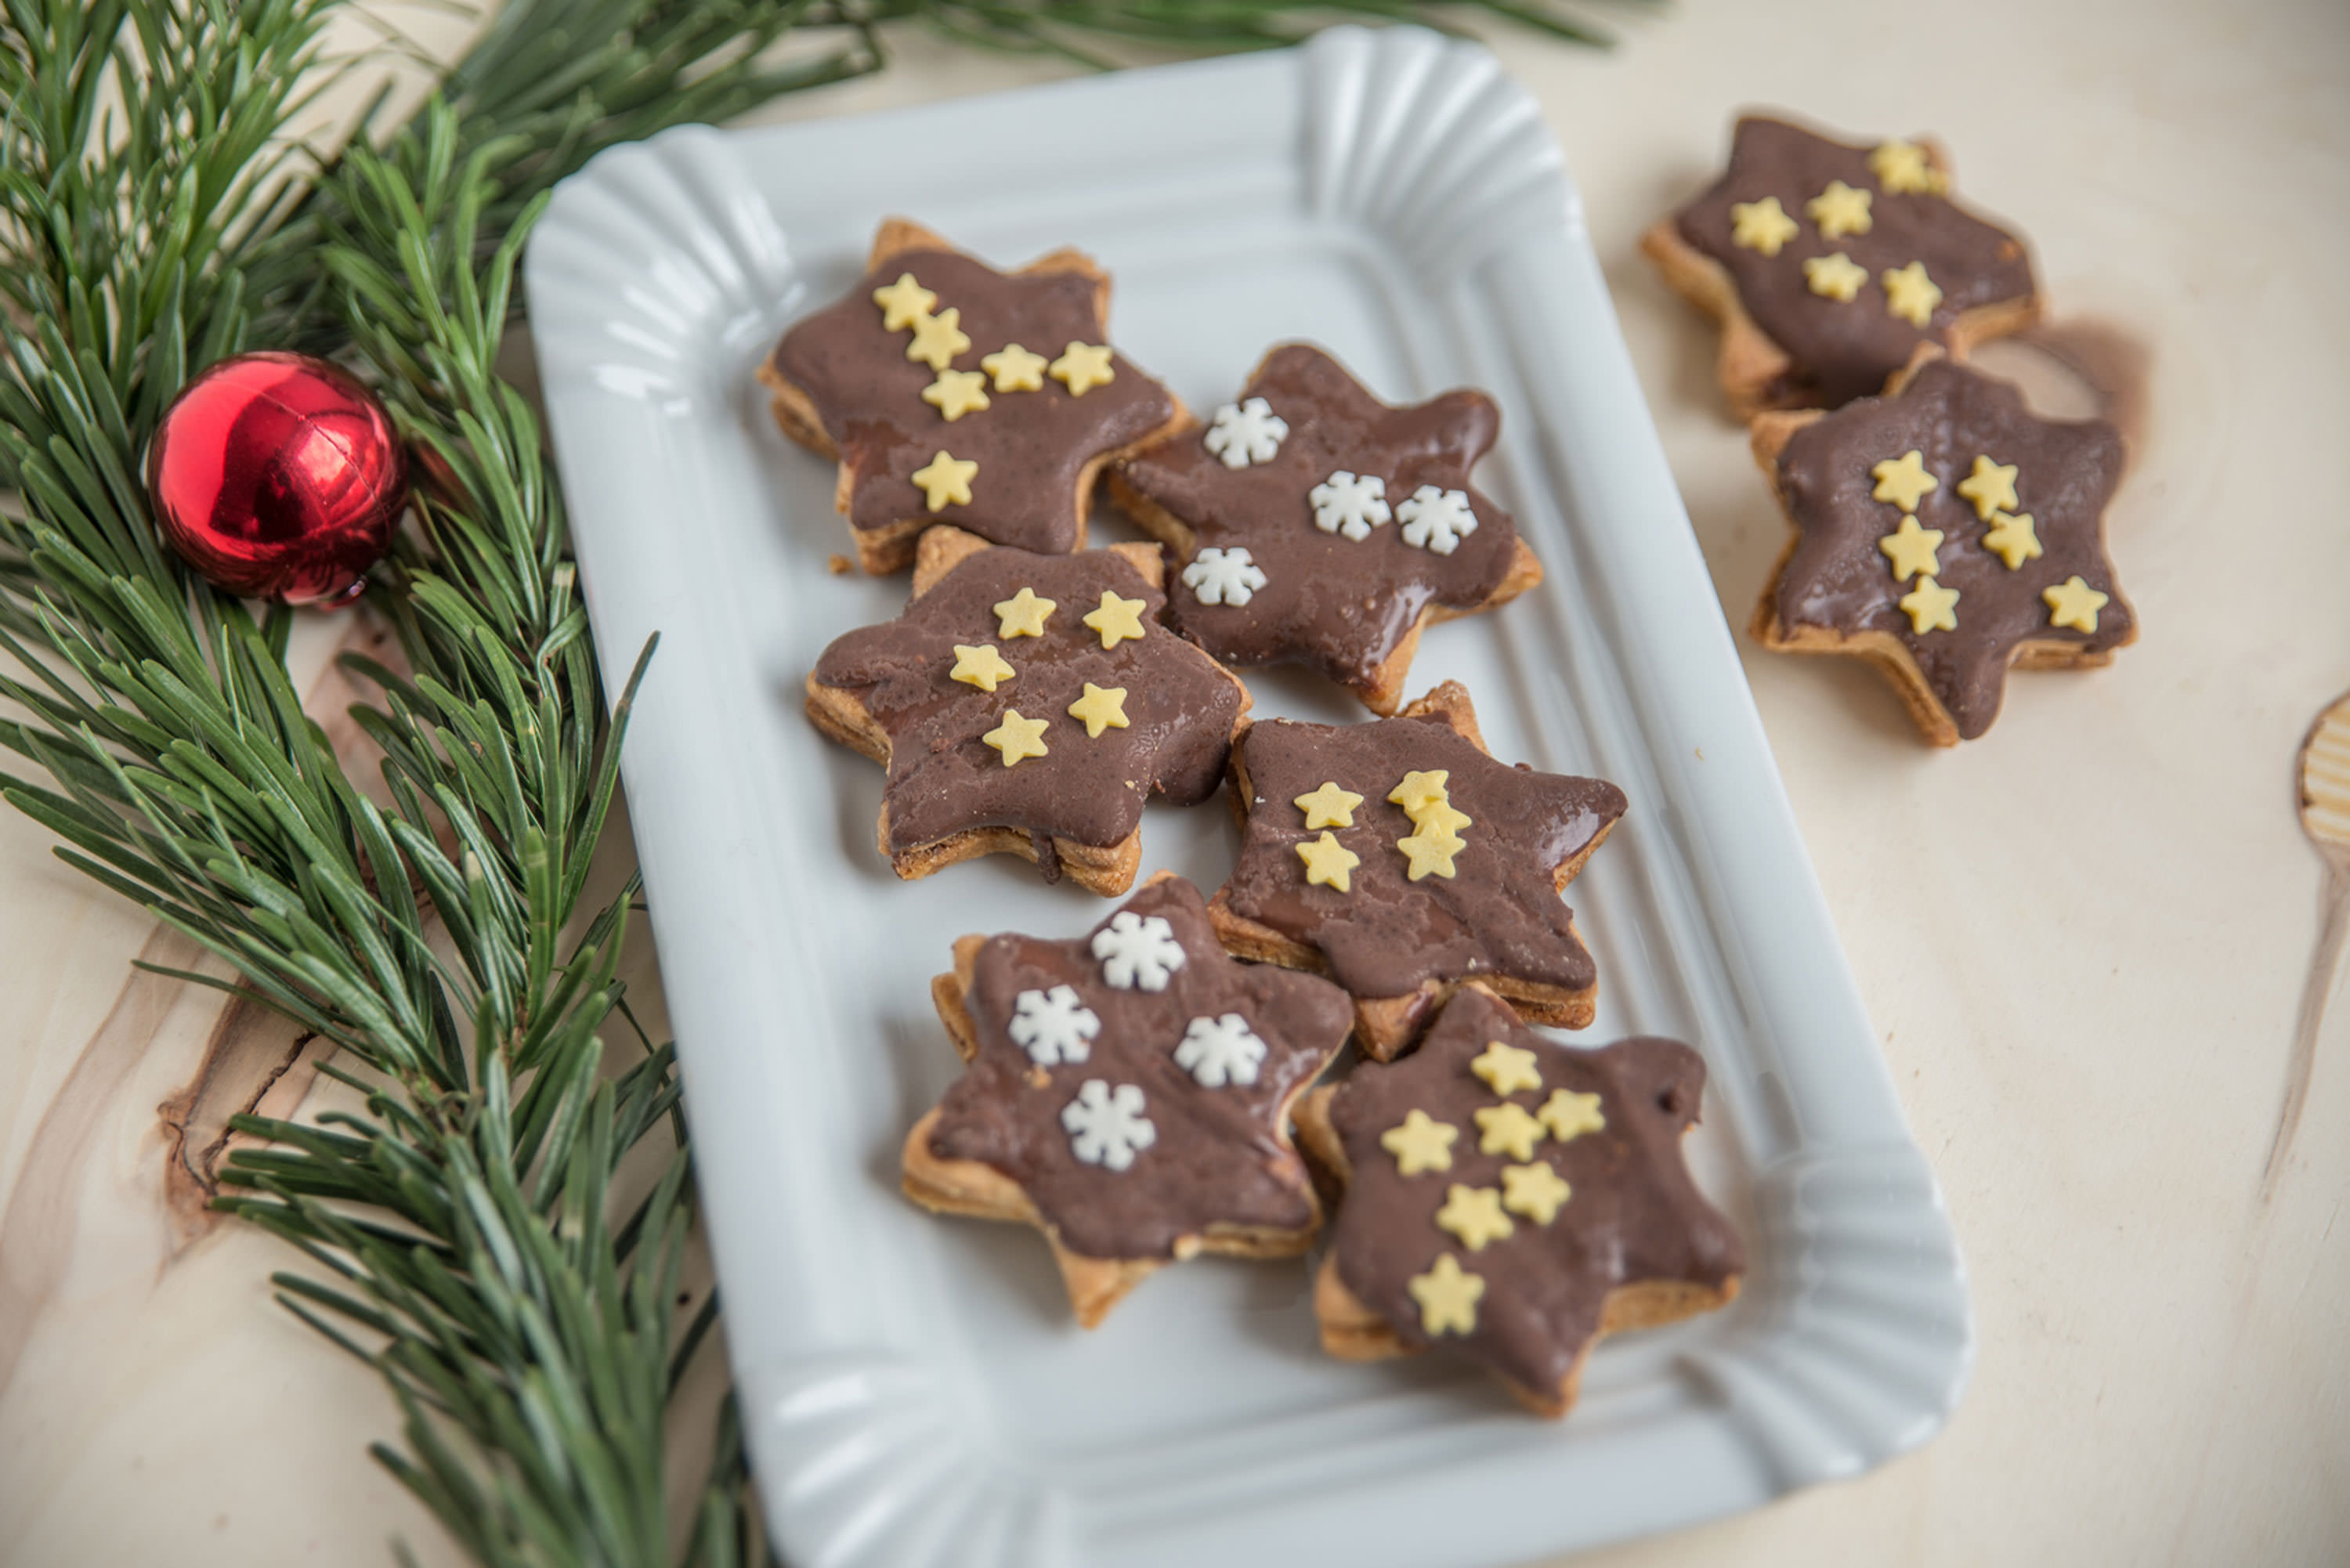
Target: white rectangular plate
<point>914,1388</point>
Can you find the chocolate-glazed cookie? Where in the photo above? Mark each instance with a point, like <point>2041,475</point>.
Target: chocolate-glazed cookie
<point>1320,526</point>
<point>1516,1198</point>
<point>1944,533</point>
<point>1399,857</point>
<point>954,393</point>
<point>1028,705</point>
<point>1827,264</point>
<point>1128,1093</point>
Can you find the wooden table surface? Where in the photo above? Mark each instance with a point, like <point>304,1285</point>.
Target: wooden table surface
<point>2083,939</point>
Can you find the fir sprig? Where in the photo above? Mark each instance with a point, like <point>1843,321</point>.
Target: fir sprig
<point>467,1230</point>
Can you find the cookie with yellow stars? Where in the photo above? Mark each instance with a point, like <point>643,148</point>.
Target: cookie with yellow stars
<point>950,392</point>
<point>1452,867</point>
<point>1947,533</point>
<point>1520,1253</point>
<point>1028,705</point>
<point>1828,263</point>
<point>1353,523</point>
<point>1126,1092</point>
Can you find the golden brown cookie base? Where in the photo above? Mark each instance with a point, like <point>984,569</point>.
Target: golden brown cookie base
<point>1769,438</point>
<point>1105,868</point>
<point>891,546</point>
<point>1756,374</point>
<point>1384,690</point>
<point>1353,1331</point>
<point>972,1187</point>
<point>1386,1026</point>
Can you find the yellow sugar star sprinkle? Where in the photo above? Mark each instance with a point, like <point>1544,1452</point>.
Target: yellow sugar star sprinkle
<point>1835,277</point>
<point>1931,607</point>
<point>1431,854</point>
<point>1760,225</point>
<point>1506,1069</point>
<point>1017,737</point>
<point>2076,603</point>
<point>1023,615</point>
<point>1328,862</point>
<point>956,393</point>
<point>1118,620</point>
<point>903,303</point>
<point>1421,1143</point>
<point>946,479</point>
<point>1473,1214</point>
<point>1418,790</point>
<point>1840,210</point>
<point>1991,486</point>
<point>1441,817</point>
<point>1909,293</point>
<point>981,666</point>
<point>2011,538</point>
<point>1015,369</point>
<point>1447,1297</point>
<point>938,339</point>
<point>1911,549</point>
<point>1328,806</point>
<point>1506,1129</point>
<point>1902,169</point>
<point>1904,480</point>
<point>1101,708</point>
<point>1083,367</point>
<point>1535,1192</point>
<point>1567,1116</point>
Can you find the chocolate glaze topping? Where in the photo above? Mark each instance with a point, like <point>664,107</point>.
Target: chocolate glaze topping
<point>1032,448</point>
<point>1221,1157</point>
<point>1838,579</point>
<point>1179,704</point>
<point>1633,1214</point>
<point>1845,349</point>
<point>1500,913</point>
<point>1337,605</point>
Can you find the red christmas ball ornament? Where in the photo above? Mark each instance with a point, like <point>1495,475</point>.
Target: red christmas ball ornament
<point>277,476</point>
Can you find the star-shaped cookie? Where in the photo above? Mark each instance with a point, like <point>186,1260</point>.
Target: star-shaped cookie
<point>952,392</point>
<point>1054,760</point>
<point>1327,503</point>
<point>1523,1253</point>
<point>1128,1093</point>
<point>1822,309</point>
<point>1997,560</point>
<point>1460,861</point>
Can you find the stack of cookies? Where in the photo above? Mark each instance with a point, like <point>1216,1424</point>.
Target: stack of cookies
<point>1941,529</point>
<point>1130,1091</point>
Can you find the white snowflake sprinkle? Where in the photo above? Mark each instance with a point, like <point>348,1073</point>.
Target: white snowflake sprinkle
<point>1246,432</point>
<point>1137,950</point>
<point>1052,1026</point>
<point>1436,520</point>
<point>1350,504</point>
<point>1223,576</point>
<point>1220,1050</point>
<point>1106,1126</point>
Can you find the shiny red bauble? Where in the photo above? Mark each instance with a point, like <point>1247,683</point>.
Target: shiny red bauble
<point>277,476</point>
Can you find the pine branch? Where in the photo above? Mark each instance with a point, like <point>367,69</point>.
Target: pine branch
<point>468,1232</point>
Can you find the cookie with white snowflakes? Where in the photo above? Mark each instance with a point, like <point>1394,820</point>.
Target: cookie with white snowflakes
<point>1516,1199</point>
<point>952,392</point>
<point>1029,706</point>
<point>1318,525</point>
<point>1128,1093</point>
<point>1945,534</point>
<point>1827,264</point>
<point>1400,858</point>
